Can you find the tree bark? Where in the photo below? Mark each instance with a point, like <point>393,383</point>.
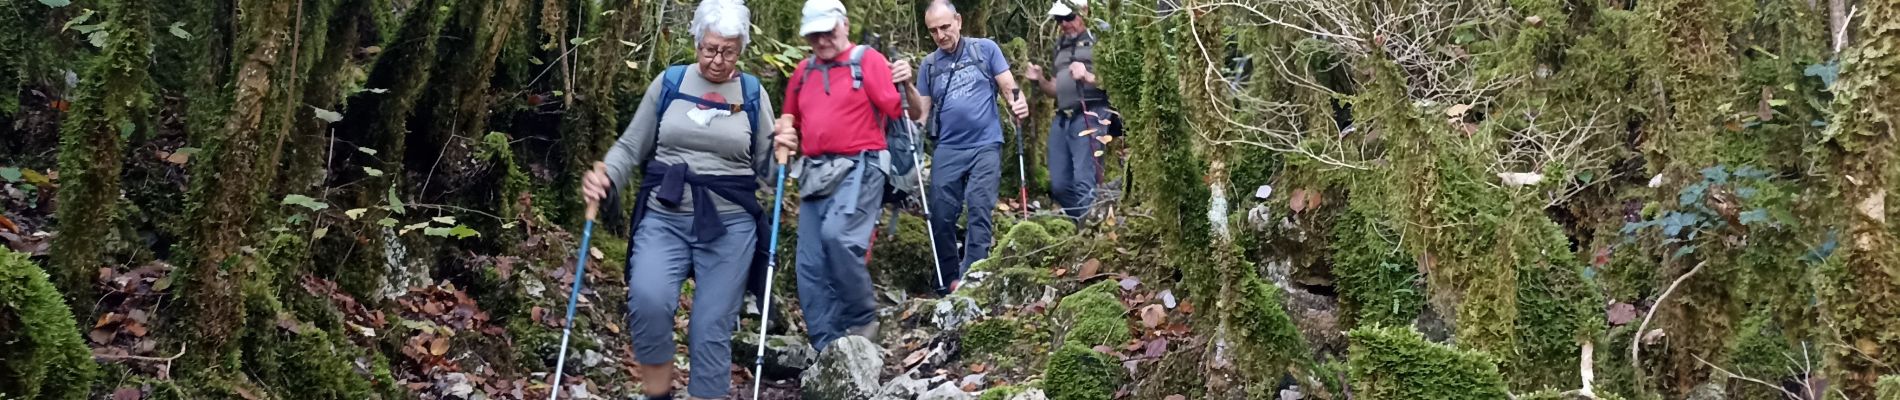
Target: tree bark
<point>1862,297</point>
<point>228,188</point>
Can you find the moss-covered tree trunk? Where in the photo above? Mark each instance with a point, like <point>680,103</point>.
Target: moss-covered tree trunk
<point>108,107</point>
<point>332,30</point>
<point>592,119</point>
<point>228,188</point>
<point>1862,295</point>
<point>461,98</point>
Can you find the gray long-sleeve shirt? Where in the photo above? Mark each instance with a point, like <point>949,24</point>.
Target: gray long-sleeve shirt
<point>725,146</point>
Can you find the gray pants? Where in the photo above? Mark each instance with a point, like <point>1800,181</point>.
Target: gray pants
<point>963,181</point>
<point>663,248</point>
<point>1073,167</point>
<point>834,235</point>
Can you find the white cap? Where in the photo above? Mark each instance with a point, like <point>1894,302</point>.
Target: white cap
<point>821,16</point>
<point>1063,7</point>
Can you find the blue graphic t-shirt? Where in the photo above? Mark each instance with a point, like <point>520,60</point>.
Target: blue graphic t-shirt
<point>962,95</point>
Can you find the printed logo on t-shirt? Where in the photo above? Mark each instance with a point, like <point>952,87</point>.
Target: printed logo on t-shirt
<point>712,97</point>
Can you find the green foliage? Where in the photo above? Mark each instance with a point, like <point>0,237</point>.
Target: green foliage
<point>1888,388</point>
<point>1077,372</point>
<point>1398,363</point>
<point>41,353</point>
<point>1094,316</point>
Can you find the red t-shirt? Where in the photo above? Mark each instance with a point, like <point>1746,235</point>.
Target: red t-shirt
<point>842,121</point>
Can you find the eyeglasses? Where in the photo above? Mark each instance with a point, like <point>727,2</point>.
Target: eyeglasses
<point>821,36</point>
<point>730,53</point>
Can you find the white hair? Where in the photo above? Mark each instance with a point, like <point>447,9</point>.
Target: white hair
<point>726,18</point>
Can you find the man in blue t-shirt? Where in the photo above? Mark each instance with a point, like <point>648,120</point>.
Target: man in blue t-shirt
<point>957,96</point>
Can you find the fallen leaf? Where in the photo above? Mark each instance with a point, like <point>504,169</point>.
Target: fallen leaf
<point>8,225</point>
<point>1186,308</point>
<point>1153,315</point>
<point>1458,110</point>
<point>1130,282</point>
<point>1621,314</point>
<point>1156,348</point>
<point>1601,258</point>
<point>915,357</point>
<point>108,319</point>
<point>1061,272</point>
<point>439,347</point>
<point>1175,397</point>
<point>101,336</point>
<point>1297,201</point>
<point>137,316</point>
<point>979,368</point>
<point>1090,267</point>
<point>595,251</point>
<point>136,329</point>
<point>1534,20</point>
<point>127,394</point>
<point>970,387</point>
<point>1652,336</point>
<point>1104,349</point>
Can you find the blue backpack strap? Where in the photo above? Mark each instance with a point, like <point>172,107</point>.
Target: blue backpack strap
<point>750,85</point>
<point>669,91</point>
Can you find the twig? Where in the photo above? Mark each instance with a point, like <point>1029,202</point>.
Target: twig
<point>1585,369</point>
<point>167,360</point>
<point>1636,341</point>
<point>1790,395</point>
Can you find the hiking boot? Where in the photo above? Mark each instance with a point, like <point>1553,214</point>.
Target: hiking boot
<point>867,331</point>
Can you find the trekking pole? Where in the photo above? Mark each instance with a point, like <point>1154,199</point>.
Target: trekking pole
<point>923,191</point>
<point>771,264</point>
<point>1022,174</point>
<point>587,234</point>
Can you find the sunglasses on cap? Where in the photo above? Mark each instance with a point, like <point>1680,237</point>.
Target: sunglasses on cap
<point>1065,18</point>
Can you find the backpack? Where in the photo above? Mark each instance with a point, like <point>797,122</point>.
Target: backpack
<point>901,184</point>
<point>670,90</point>
<point>936,104</point>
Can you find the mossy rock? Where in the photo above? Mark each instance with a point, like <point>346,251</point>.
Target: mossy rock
<point>904,261</point>
<point>1030,244</point>
<point>1057,227</point>
<point>1378,284</point>
<point>990,336</point>
<point>1398,363</point>
<point>1270,342</point>
<point>1001,392</point>
<point>41,354</point>
<point>1005,287</point>
<point>1094,316</point>
<point>1077,372</point>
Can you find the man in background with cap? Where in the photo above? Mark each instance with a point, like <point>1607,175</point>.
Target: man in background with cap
<point>832,117</point>
<point>1081,105</point>
<point>957,94</point>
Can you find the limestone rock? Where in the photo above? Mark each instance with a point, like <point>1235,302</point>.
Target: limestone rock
<point>946,391</point>
<point>847,370</point>
<point>1031,394</point>
<point>785,356</point>
<point>954,311</point>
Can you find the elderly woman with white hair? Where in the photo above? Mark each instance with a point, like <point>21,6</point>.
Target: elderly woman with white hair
<point>702,140</point>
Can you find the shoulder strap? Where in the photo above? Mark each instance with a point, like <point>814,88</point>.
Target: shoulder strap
<point>669,91</point>
<point>857,66</point>
<point>750,85</point>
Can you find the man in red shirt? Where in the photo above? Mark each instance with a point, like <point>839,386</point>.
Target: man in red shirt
<point>832,116</point>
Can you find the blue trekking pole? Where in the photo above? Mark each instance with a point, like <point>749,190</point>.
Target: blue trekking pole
<point>580,265</point>
<point>771,264</point>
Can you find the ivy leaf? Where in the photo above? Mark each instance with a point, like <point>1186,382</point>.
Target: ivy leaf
<point>1752,217</point>
<point>83,16</point>
<point>56,3</point>
<point>395,204</point>
<point>387,222</point>
<point>11,174</point>
<point>355,213</point>
<point>463,232</point>
<point>366,150</point>
<point>98,38</point>
<point>1685,250</point>
<point>444,220</point>
<point>1827,72</point>
<point>305,201</point>
<point>436,231</point>
<point>178,29</point>
<point>372,171</point>
<point>405,229</point>
<point>126,128</point>
<point>327,115</point>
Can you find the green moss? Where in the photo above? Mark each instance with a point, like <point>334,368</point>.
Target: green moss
<point>1004,392</point>
<point>1094,316</point>
<point>1077,372</point>
<point>904,262</point>
<point>1398,363</point>
<point>1888,388</point>
<point>1270,344</point>
<point>1761,351</point>
<point>1378,283</point>
<point>108,109</point>
<point>1030,244</point>
<point>44,357</point>
<point>991,336</point>
<point>1557,307</point>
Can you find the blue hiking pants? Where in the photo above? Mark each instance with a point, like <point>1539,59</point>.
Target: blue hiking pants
<point>834,234</point>
<point>1073,168</point>
<point>963,180</point>
<point>663,248</point>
